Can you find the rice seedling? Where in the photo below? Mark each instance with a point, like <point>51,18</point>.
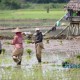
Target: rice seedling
<point>3,51</point>
<point>7,43</point>
<point>28,41</point>
<point>78,57</point>
<point>29,51</point>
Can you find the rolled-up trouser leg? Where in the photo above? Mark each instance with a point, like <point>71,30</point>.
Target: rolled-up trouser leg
<point>17,55</point>
<point>15,59</point>
<point>20,59</point>
<point>38,52</point>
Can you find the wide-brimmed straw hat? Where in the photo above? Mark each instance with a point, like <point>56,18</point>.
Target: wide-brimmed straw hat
<point>16,30</point>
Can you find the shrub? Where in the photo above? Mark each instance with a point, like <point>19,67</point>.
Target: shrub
<point>9,4</point>
<point>53,6</point>
<point>26,5</point>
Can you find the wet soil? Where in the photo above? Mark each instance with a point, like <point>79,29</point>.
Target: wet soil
<point>53,54</point>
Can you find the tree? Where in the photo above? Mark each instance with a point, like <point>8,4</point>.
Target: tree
<point>10,4</point>
<point>16,4</point>
<point>47,1</point>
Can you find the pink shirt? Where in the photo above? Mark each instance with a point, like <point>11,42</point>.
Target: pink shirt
<point>18,41</point>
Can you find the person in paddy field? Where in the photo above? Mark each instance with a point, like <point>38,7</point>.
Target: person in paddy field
<point>0,45</point>
<point>18,46</point>
<point>38,44</point>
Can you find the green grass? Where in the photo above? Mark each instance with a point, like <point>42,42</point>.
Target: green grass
<point>37,74</point>
<point>31,14</point>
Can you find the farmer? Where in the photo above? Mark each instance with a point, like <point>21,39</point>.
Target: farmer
<point>38,44</point>
<point>18,46</point>
<point>0,45</point>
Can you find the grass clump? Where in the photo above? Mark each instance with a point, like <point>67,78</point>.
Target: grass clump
<point>28,41</point>
<point>29,51</point>
<point>7,43</point>
<point>66,62</point>
<point>3,51</point>
<point>78,57</point>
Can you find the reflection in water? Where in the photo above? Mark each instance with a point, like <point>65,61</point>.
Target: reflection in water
<point>49,69</point>
<point>17,74</point>
<point>37,72</point>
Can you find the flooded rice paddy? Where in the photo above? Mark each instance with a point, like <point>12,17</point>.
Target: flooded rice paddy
<point>55,52</point>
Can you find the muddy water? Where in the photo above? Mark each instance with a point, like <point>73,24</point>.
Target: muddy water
<point>54,53</point>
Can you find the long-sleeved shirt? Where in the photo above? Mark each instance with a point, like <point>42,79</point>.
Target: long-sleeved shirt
<point>17,41</point>
<point>38,37</point>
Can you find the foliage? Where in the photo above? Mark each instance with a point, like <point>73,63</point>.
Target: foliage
<point>47,1</point>
<point>3,51</point>
<point>26,5</point>
<point>17,4</point>
<point>78,56</point>
<point>9,4</point>
<point>29,51</point>
<point>66,62</point>
<point>7,43</point>
<point>28,41</point>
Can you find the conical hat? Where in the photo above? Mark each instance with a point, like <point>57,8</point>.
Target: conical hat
<point>16,30</point>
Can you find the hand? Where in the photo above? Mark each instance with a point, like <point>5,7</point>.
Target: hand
<point>33,42</point>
